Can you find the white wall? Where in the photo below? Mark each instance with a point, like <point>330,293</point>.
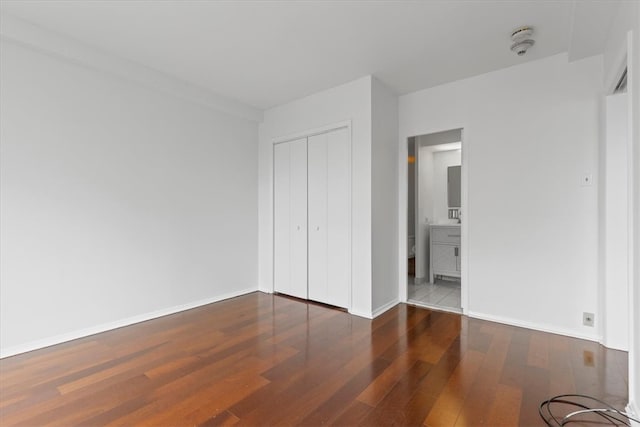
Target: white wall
<point>351,101</point>
<point>427,145</point>
<point>433,183</point>
<point>384,196</point>
<point>118,201</point>
<point>432,196</point>
<point>622,47</point>
<point>425,208</point>
<point>530,133</point>
<point>614,224</point>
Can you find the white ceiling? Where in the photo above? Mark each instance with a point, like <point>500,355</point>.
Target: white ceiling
<point>265,53</point>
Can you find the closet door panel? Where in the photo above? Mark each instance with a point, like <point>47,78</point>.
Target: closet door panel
<point>299,218</point>
<point>329,218</point>
<point>281,215</point>
<point>317,204</point>
<point>338,218</point>
<point>290,218</point>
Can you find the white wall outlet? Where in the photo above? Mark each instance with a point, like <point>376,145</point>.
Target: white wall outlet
<point>588,319</point>
<point>586,180</point>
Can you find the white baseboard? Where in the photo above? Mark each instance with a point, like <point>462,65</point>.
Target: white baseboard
<point>69,336</point>
<point>632,409</point>
<point>361,314</point>
<point>384,307</point>
<point>614,345</point>
<point>534,326</point>
<point>377,312</point>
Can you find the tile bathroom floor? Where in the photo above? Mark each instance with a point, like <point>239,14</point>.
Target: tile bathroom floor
<point>442,293</point>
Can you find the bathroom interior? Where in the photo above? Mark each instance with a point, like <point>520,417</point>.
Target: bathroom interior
<point>434,217</point>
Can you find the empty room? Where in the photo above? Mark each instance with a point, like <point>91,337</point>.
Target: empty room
<point>269,213</point>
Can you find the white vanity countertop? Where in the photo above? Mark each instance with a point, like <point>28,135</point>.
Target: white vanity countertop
<point>444,225</point>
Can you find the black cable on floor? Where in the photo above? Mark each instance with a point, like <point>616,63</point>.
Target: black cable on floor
<point>609,414</point>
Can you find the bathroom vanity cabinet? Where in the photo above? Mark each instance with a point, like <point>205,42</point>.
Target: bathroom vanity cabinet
<point>445,250</point>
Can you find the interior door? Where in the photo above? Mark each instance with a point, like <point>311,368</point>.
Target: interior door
<point>329,212</point>
<point>290,218</point>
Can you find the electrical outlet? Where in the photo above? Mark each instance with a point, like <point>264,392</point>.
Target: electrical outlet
<point>588,319</point>
<point>586,180</point>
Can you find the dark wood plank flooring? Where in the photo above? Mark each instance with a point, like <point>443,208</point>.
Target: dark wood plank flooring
<point>269,360</point>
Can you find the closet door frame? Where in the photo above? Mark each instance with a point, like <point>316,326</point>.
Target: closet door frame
<point>306,134</point>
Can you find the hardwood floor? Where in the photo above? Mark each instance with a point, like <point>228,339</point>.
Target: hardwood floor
<point>269,360</point>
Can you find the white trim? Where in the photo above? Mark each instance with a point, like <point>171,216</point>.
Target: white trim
<point>69,336</point>
<point>464,222</point>
<point>535,326</point>
<point>67,48</point>
<point>384,307</point>
<point>603,284</point>
<point>402,213</point>
<point>345,124</point>
<point>312,132</point>
<point>377,312</point>
<point>632,409</point>
<point>612,346</point>
<point>633,224</point>
<point>361,314</point>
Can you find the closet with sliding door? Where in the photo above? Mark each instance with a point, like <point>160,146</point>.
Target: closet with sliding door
<point>312,217</point>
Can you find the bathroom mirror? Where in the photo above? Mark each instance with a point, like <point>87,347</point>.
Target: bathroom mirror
<point>453,186</point>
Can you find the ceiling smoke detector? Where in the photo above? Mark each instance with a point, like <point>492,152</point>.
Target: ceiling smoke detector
<point>522,41</point>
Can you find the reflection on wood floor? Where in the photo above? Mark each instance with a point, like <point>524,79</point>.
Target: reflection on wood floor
<point>268,360</point>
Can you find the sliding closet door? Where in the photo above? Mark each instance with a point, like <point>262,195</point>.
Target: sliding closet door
<point>329,218</point>
<point>290,218</point>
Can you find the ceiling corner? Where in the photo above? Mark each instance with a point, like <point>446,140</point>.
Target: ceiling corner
<point>590,25</point>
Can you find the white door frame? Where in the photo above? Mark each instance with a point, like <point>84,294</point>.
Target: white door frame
<point>306,134</point>
<point>626,57</point>
<point>403,184</point>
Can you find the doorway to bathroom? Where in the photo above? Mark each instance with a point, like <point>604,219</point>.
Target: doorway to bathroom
<point>434,220</point>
